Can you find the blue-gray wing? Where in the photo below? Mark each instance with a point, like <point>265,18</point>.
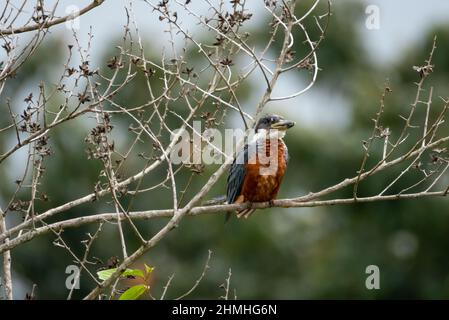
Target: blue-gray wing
<point>236,176</point>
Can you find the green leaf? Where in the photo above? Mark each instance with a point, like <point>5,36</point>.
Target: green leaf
<point>106,274</point>
<point>148,269</point>
<point>134,292</point>
<point>133,273</point>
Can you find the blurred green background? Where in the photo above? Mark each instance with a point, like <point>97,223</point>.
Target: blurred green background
<point>279,253</point>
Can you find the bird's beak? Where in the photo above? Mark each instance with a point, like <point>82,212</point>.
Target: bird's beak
<point>282,125</point>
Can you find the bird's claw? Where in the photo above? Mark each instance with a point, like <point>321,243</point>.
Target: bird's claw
<point>246,212</point>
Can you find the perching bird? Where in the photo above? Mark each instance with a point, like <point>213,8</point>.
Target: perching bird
<point>257,171</point>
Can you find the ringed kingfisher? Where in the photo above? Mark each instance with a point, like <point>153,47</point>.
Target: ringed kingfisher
<point>257,171</point>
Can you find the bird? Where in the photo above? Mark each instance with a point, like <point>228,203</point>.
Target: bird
<point>258,169</point>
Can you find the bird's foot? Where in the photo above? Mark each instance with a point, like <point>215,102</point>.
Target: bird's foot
<point>271,203</point>
<point>245,213</point>
<point>241,214</point>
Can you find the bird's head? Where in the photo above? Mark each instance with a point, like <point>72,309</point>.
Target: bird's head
<point>273,124</point>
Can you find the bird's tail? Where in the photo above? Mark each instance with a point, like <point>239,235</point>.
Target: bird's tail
<point>218,200</point>
<point>245,213</point>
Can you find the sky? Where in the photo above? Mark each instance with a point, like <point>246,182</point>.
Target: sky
<point>399,25</point>
<point>402,22</point>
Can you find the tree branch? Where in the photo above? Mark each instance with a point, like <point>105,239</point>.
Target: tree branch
<point>46,25</point>
<point>213,209</point>
<point>6,260</point>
